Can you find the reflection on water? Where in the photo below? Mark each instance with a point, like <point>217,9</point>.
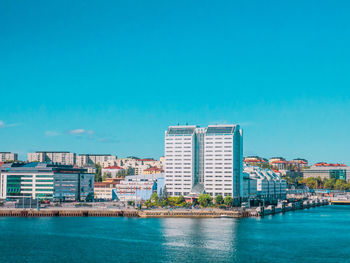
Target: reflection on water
<point>200,233</point>
<point>315,235</point>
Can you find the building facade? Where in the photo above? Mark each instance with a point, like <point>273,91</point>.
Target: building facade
<point>264,184</point>
<point>103,190</point>
<point>8,156</point>
<point>211,157</point>
<point>45,181</point>
<point>64,158</point>
<point>328,171</point>
<point>91,159</point>
<point>139,188</point>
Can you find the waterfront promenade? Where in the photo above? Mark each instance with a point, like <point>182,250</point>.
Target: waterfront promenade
<point>158,213</point>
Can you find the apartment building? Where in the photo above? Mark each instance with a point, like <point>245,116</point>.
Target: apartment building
<point>210,157</point>
<point>8,156</point>
<point>64,158</point>
<point>91,159</point>
<point>267,185</point>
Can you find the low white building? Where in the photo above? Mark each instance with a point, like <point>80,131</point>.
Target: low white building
<point>269,185</point>
<point>139,187</point>
<point>111,170</point>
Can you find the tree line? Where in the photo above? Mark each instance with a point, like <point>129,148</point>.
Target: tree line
<point>204,200</point>
<point>331,184</point>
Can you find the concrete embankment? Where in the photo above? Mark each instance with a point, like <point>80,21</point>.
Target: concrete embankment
<point>283,207</point>
<point>67,213</point>
<point>160,213</point>
<point>180,213</point>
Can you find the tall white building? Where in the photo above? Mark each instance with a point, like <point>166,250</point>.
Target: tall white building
<point>65,158</point>
<point>8,156</point>
<point>211,157</point>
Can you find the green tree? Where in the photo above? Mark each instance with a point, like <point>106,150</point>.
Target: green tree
<point>106,175</point>
<point>154,197</point>
<point>205,200</point>
<point>330,184</point>
<point>340,184</point>
<point>98,177</point>
<point>228,200</point>
<point>219,200</point>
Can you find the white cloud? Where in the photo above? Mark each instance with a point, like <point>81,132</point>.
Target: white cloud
<point>52,133</point>
<point>6,125</point>
<point>81,131</point>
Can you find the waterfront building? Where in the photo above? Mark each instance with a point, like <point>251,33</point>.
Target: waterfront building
<point>64,158</point>
<point>269,185</point>
<point>139,188</point>
<point>111,170</point>
<point>8,156</point>
<point>103,190</point>
<point>45,181</point>
<point>91,159</point>
<point>210,157</point>
<point>328,171</point>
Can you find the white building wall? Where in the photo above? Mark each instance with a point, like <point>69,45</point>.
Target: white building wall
<point>179,162</point>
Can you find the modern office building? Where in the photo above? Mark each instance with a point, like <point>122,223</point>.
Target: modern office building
<point>328,171</point>
<point>64,158</point>
<point>138,188</point>
<point>45,181</point>
<point>204,158</point>
<point>8,156</point>
<point>91,159</point>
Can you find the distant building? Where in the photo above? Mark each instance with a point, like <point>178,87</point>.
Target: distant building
<point>254,160</point>
<point>153,170</point>
<point>300,163</point>
<point>8,156</point>
<point>91,159</point>
<point>64,158</point>
<point>45,181</point>
<point>103,190</point>
<point>328,171</point>
<point>139,188</point>
<point>112,170</point>
<point>269,185</point>
<point>138,165</point>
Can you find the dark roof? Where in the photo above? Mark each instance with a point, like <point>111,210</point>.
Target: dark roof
<point>181,131</point>
<point>221,129</point>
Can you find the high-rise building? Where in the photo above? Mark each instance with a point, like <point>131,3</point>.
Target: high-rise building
<point>208,158</point>
<point>64,158</point>
<point>8,156</point>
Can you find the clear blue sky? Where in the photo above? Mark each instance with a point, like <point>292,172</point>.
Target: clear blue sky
<point>110,76</point>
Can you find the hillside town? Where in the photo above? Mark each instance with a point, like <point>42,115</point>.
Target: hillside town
<point>198,161</point>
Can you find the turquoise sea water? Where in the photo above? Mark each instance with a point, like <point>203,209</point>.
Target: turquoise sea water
<point>314,235</point>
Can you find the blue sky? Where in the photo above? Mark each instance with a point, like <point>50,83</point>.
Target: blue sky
<point>110,76</point>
